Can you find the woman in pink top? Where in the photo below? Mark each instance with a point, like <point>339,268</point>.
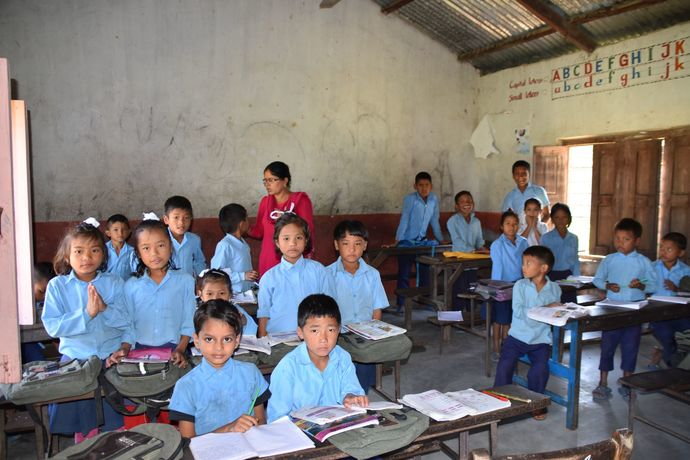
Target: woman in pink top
<point>278,201</point>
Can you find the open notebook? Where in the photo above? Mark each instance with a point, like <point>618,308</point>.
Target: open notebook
<point>279,437</point>
<point>453,405</point>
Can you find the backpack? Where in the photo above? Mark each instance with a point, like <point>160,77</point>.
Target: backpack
<point>376,351</point>
<point>148,385</point>
<point>396,429</point>
<point>48,380</point>
<point>150,441</point>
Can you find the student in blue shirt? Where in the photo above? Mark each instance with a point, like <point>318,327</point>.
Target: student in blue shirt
<point>187,254</point>
<point>527,336</point>
<point>220,395</point>
<point>215,284</point>
<point>121,258</point>
<point>466,235</point>
<point>506,265</point>
<point>84,308</point>
<point>160,300</point>
<point>232,252</point>
<point>318,372</point>
<point>515,199</point>
<point>358,287</point>
<point>670,270</point>
<point>626,275</point>
<point>564,246</point>
<point>284,286</point>
<point>420,209</point>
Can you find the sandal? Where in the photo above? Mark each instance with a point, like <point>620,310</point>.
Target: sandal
<point>539,415</point>
<point>601,393</point>
<point>624,392</point>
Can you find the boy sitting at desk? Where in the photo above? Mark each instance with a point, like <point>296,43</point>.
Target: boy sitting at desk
<point>626,275</point>
<point>318,372</point>
<point>527,336</point>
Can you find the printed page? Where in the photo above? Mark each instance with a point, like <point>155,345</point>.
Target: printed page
<point>222,446</point>
<point>437,405</point>
<point>375,329</point>
<point>478,401</point>
<point>279,437</point>
<point>322,415</point>
<point>250,342</point>
<point>288,338</point>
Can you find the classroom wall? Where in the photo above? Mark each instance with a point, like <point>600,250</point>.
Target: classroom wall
<point>134,101</point>
<point>524,97</point>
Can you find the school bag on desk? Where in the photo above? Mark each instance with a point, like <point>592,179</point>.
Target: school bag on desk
<point>396,429</point>
<point>376,351</point>
<point>150,441</point>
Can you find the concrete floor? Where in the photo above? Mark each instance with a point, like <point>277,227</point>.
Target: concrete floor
<point>461,367</point>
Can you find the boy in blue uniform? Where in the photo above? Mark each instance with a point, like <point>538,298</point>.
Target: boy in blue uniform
<point>187,254</point>
<point>220,395</point>
<point>625,275</point>
<point>670,270</point>
<point>515,199</point>
<point>420,209</point>
<point>122,260</point>
<point>233,251</point>
<point>318,372</point>
<point>527,336</point>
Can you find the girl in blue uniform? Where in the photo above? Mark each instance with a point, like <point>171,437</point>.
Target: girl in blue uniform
<point>84,308</point>
<point>216,284</point>
<point>564,246</point>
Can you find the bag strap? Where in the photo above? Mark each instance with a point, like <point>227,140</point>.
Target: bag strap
<point>114,398</point>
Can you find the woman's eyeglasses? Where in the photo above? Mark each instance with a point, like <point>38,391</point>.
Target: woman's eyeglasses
<point>270,180</point>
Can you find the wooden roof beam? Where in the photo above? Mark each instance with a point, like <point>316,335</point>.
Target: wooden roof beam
<point>395,6</point>
<point>555,18</point>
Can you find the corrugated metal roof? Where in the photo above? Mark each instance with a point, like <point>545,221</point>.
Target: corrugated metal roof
<point>465,26</point>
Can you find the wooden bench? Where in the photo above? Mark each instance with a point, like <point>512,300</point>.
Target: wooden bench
<point>412,296</point>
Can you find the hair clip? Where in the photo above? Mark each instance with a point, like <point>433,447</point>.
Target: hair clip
<point>91,221</point>
<point>277,214</point>
<point>150,216</point>
<point>217,271</point>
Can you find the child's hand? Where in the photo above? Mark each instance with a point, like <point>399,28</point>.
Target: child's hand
<point>613,287</point>
<point>178,359</point>
<point>117,356</point>
<point>242,424</point>
<point>668,284</point>
<point>482,251</point>
<point>636,284</point>
<point>353,400</point>
<point>554,304</point>
<point>251,275</point>
<point>94,304</point>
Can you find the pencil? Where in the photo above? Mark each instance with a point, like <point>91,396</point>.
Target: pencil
<point>514,398</point>
<point>250,411</point>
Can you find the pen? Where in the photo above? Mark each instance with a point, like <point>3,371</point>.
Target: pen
<point>514,398</point>
<point>250,411</point>
<point>494,395</point>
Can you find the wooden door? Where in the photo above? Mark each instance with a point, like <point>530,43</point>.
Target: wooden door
<point>676,199</point>
<point>550,170</point>
<point>625,183</point>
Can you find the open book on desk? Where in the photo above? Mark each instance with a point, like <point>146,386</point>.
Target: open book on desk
<point>453,405</point>
<point>557,316</point>
<point>279,437</point>
<point>670,299</point>
<point>375,329</point>
<point>629,304</point>
<point>327,414</point>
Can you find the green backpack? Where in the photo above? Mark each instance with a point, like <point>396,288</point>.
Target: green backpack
<point>396,429</point>
<point>376,351</point>
<point>151,441</point>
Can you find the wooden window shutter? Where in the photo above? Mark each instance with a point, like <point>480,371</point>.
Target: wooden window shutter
<point>550,170</point>
<point>676,201</point>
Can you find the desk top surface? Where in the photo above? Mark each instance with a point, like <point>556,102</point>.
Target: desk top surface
<point>450,261</point>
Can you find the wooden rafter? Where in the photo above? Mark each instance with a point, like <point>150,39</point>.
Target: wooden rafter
<point>539,32</point>
<point>554,17</point>
<point>395,6</point>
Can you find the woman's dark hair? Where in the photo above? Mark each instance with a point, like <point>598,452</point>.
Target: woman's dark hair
<point>564,208</point>
<point>82,230</point>
<point>221,310</point>
<point>353,227</point>
<point>291,218</point>
<point>280,170</point>
<point>213,275</point>
<point>508,213</point>
<point>149,225</point>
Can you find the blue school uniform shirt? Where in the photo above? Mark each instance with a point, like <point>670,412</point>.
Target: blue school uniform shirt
<point>515,199</point>
<point>506,258</point>
<point>285,285</point>
<point>187,255</point>
<point>234,253</point>
<point>466,236</point>
<point>564,250</point>
<point>161,313</point>
<point>212,397</point>
<point>622,269</point>
<point>675,274</point>
<point>65,317</point>
<point>296,382</point>
<point>360,294</point>
<point>526,296</point>
<point>123,264</point>
<point>416,217</point>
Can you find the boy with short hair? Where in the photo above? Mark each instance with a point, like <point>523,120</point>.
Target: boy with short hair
<point>318,372</point>
<point>670,270</point>
<point>420,209</point>
<point>232,251</point>
<point>625,275</point>
<point>515,199</point>
<point>527,336</point>
<point>122,260</point>
<point>187,255</point>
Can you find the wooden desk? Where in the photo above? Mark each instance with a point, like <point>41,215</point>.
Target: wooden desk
<point>451,268</point>
<point>599,319</point>
<point>376,257</point>
<point>33,333</point>
<point>432,440</point>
